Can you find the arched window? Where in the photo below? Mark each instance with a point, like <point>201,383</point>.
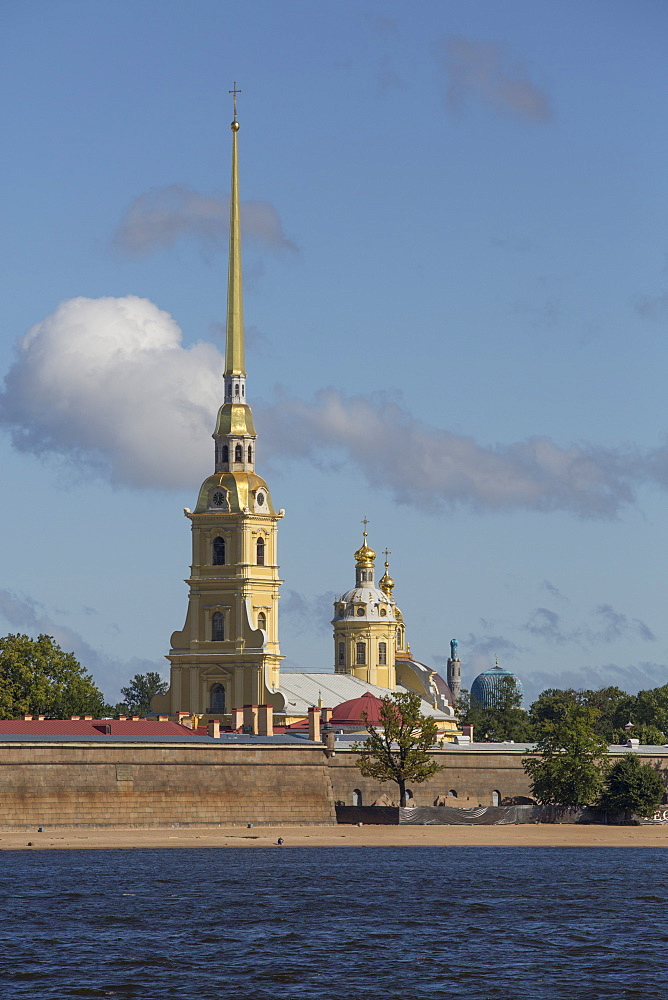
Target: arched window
<point>238,453</point>
<point>250,454</point>
<point>217,699</point>
<point>217,627</point>
<point>357,797</point>
<point>452,793</point>
<point>262,620</point>
<point>236,389</point>
<point>219,551</point>
<point>382,652</point>
<point>342,652</point>
<point>259,548</point>
<point>496,797</point>
<point>361,653</point>
<point>226,453</point>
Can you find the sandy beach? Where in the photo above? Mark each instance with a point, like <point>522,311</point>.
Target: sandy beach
<point>335,836</point>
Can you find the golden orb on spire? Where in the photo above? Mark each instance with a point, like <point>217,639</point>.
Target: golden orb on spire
<point>386,583</point>
<point>234,126</point>
<point>365,555</point>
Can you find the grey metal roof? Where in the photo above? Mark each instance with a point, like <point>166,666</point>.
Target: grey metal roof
<point>301,691</point>
<point>225,739</point>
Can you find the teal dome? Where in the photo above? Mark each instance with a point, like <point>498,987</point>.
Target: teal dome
<point>488,686</point>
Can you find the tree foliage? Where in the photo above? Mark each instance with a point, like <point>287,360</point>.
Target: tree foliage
<point>632,787</point>
<point>38,678</point>
<point>399,750</point>
<point>138,693</point>
<point>504,720</point>
<point>570,758</point>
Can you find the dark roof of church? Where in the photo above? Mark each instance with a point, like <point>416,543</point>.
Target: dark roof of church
<point>350,712</point>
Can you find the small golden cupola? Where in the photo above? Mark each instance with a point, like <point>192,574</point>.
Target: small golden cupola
<point>386,583</point>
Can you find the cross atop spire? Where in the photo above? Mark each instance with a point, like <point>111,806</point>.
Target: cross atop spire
<point>235,92</point>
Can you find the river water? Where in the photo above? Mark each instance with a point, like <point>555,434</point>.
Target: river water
<point>346,923</point>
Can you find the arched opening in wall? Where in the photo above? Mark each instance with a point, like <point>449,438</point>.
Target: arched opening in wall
<point>226,453</point>
<point>217,627</point>
<point>496,797</point>
<point>409,795</point>
<point>250,454</point>
<point>357,797</point>
<point>452,793</point>
<point>217,699</point>
<point>238,453</point>
<point>342,652</point>
<point>259,551</point>
<point>382,653</point>
<point>219,551</point>
<point>262,621</point>
<point>360,656</point>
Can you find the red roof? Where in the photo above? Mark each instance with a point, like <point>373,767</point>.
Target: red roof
<point>90,727</point>
<point>349,713</point>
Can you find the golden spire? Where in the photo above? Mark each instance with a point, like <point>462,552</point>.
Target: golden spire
<point>235,363</point>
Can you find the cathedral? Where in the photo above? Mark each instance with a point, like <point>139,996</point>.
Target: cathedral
<point>227,655</point>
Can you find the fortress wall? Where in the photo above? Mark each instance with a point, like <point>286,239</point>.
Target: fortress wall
<point>149,785</point>
<point>474,774</point>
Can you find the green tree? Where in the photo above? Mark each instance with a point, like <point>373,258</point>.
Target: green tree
<point>651,708</point>
<point>570,759</point>
<point>38,678</point>
<point>138,693</point>
<point>632,787</point>
<point>501,721</point>
<point>613,708</point>
<point>399,749</point>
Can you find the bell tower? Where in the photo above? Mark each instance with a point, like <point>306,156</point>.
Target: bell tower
<point>227,655</point>
<point>365,625</point>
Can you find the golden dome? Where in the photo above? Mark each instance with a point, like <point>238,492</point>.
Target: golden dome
<point>386,583</point>
<point>365,556</point>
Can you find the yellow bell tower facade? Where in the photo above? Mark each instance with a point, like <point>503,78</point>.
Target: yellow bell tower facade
<point>227,655</point>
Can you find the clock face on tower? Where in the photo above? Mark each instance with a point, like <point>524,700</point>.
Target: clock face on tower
<point>218,499</point>
<point>260,499</point>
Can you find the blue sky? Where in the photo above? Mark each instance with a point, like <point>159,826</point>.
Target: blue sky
<point>456,295</point>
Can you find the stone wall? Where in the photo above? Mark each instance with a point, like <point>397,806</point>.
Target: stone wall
<point>156,785</point>
<point>474,773</point>
<point>149,784</point>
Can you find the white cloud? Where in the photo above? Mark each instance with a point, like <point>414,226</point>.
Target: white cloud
<point>425,466</point>
<point>107,383</point>
<point>488,71</point>
<point>161,217</point>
